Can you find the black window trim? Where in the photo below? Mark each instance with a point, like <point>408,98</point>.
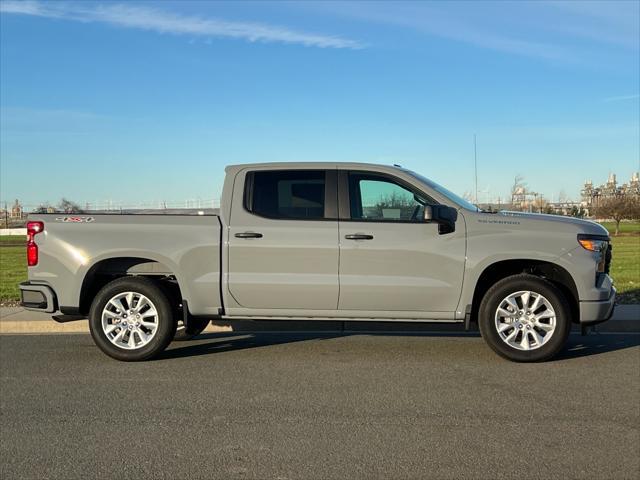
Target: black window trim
<point>330,194</point>
<point>344,202</point>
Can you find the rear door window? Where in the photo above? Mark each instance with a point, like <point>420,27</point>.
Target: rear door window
<point>287,194</point>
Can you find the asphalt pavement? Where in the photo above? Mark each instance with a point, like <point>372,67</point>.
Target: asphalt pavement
<point>319,405</point>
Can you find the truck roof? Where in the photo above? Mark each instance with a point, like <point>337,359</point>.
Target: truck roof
<point>319,165</point>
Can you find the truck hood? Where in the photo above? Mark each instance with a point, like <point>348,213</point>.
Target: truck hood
<point>585,226</point>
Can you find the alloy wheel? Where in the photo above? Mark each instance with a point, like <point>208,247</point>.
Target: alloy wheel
<point>129,320</point>
<point>525,320</point>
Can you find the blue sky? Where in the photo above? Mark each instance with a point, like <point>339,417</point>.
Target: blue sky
<point>142,101</point>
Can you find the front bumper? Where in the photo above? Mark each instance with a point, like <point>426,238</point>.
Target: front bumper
<point>38,297</point>
<point>598,311</point>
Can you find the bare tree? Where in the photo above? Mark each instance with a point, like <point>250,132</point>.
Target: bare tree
<point>518,191</point>
<point>518,184</point>
<point>577,212</point>
<point>618,208</point>
<point>67,206</point>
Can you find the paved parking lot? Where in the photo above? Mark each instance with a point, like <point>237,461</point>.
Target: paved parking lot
<point>286,406</point>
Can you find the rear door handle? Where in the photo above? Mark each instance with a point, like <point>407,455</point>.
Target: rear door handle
<point>359,236</point>
<point>248,235</point>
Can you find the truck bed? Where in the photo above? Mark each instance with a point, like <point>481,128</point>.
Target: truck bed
<point>75,248</point>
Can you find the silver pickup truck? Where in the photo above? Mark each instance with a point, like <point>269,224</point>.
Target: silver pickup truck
<point>322,241</point>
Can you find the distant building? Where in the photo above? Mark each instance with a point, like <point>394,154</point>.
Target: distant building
<point>527,201</point>
<point>16,211</point>
<point>591,196</point>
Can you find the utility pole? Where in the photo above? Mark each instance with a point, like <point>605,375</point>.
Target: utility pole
<point>475,162</point>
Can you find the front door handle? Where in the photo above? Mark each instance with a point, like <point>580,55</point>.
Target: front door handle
<point>359,236</point>
<point>248,235</point>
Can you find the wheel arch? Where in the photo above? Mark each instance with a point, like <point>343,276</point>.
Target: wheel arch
<point>108,269</point>
<point>550,271</point>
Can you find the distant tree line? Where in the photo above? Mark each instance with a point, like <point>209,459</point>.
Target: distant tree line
<point>64,206</point>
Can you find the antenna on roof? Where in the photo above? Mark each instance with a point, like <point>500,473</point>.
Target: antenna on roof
<point>475,162</point>
<point>396,165</point>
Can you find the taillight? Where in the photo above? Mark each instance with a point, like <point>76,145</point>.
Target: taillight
<point>33,228</point>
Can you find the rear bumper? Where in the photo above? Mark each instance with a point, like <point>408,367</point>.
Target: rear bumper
<point>597,312</point>
<point>38,297</point>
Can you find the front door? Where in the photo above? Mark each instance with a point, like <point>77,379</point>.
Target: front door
<point>390,259</point>
<point>283,240</point>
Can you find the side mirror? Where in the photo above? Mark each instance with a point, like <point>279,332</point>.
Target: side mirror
<point>443,215</point>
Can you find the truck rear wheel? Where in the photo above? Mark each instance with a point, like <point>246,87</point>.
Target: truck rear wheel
<point>131,319</point>
<point>524,318</point>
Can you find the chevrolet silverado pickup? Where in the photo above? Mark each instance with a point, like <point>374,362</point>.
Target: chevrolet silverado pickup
<point>322,241</point>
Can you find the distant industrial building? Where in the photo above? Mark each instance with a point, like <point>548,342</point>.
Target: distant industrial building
<point>591,196</point>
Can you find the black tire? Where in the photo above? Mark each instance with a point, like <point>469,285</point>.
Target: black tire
<point>196,327</point>
<point>166,323</point>
<point>517,283</point>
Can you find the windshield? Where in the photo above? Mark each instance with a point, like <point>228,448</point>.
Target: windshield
<point>443,191</point>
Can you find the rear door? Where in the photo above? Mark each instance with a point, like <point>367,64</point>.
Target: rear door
<point>390,259</point>
<point>283,240</point>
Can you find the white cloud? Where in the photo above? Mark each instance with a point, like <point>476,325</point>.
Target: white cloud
<point>613,22</point>
<point>570,32</point>
<point>162,21</point>
<point>20,120</point>
<point>25,8</point>
<point>622,98</point>
<point>441,19</point>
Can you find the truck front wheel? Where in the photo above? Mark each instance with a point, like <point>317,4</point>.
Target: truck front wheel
<point>524,318</point>
<point>131,319</point>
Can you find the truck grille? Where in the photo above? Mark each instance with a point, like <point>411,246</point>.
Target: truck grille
<point>607,258</point>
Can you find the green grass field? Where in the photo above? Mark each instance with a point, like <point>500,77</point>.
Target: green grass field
<point>11,239</point>
<point>625,268</point>
<point>625,227</point>
<point>13,270</point>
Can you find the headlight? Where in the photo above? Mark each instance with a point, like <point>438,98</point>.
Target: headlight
<point>598,244</point>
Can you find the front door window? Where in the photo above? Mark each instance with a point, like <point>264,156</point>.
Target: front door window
<point>377,198</point>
